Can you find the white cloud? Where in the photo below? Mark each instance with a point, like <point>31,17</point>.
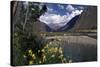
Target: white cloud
<point>55,21</point>
<point>75,13</point>
<point>70,8</point>
<point>61,6</point>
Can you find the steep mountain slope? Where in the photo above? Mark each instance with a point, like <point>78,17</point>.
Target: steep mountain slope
<point>88,20</point>
<point>69,25</point>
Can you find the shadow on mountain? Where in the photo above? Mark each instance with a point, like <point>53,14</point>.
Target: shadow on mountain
<point>69,25</point>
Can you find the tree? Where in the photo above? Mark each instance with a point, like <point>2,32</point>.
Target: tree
<point>23,38</point>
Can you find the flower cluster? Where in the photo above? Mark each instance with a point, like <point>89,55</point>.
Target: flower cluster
<point>52,52</point>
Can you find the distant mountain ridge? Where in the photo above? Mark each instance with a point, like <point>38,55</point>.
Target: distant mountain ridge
<point>66,27</point>
<point>86,21</point>
<point>43,27</point>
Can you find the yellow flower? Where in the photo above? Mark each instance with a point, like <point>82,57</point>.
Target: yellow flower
<point>56,49</point>
<point>53,55</point>
<point>33,56</point>
<point>44,58</point>
<point>40,62</point>
<point>60,50</point>
<point>30,52</point>
<point>61,56</point>
<point>43,50</point>
<point>46,46</point>
<point>51,49</point>
<point>31,62</point>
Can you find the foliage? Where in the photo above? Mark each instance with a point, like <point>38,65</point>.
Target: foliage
<point>23,37</point>
<point>49,54</point>
<point>28,47</point>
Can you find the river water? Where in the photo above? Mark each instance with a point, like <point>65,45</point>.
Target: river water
<point>78,48</point>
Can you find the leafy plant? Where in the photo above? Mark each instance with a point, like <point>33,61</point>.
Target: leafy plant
<point>50,53</point>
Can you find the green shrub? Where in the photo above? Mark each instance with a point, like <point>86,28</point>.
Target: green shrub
<point>51,53</point>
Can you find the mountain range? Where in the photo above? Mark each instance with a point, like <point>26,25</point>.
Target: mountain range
<point>87,20</point>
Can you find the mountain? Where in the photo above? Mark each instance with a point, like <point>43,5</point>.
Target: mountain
<point>39,27</point>
<point>87,21</point>
<point>69,25</point>
<point>48,29</point>
<point>42,27</point>
<point>66,27</point>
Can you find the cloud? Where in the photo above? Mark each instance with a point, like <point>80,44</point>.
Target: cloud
<point>70,8</point>
<point>51,10</point>
<point>75,13</point>
<point>51,18</point>
<point>61,6</point>
<point>55,21</point>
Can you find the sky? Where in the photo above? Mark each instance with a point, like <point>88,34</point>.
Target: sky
<point>58,15</point>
